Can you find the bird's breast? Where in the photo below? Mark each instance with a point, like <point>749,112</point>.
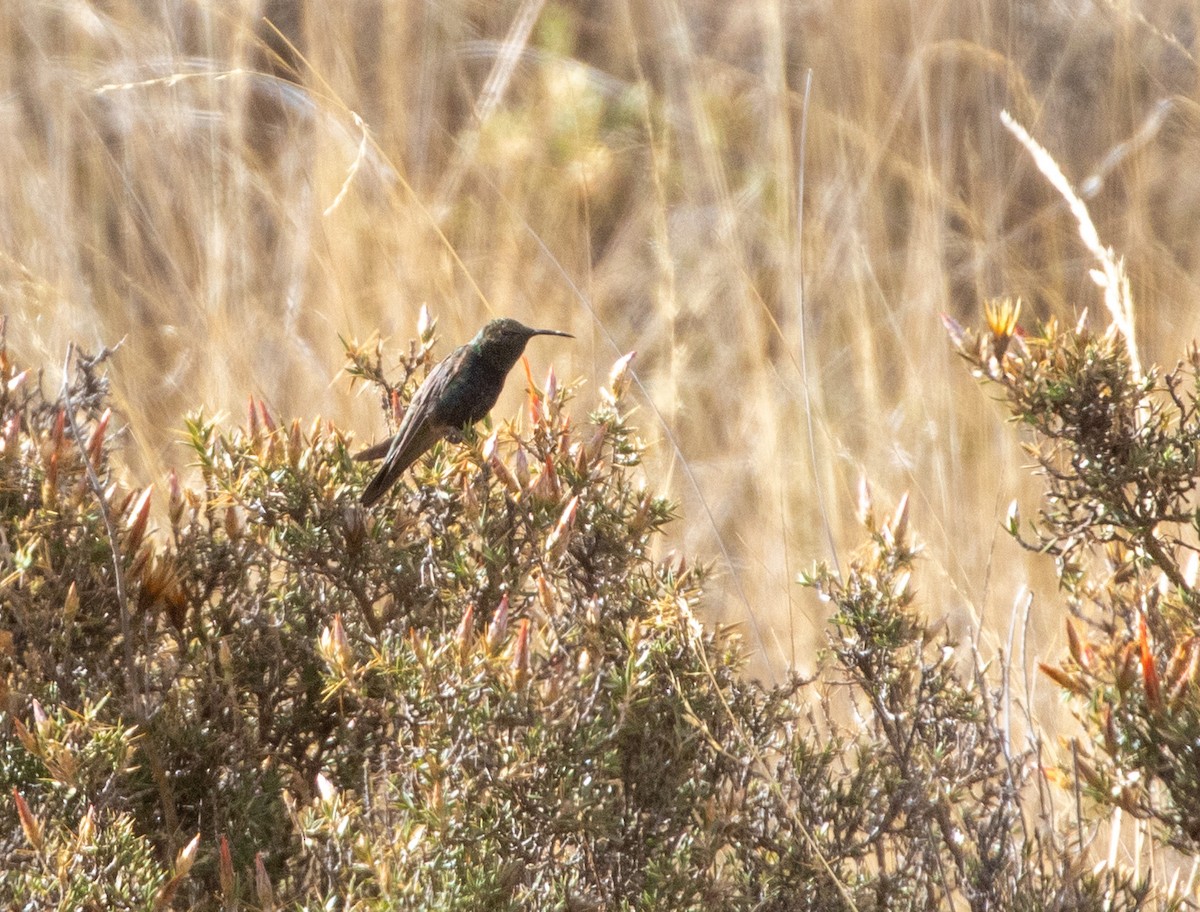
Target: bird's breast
<point>471,393</point>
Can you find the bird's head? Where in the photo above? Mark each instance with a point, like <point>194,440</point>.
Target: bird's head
<point>502,341</point>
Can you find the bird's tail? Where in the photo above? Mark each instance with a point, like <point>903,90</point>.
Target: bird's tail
<point>377,488</point>
<point>401,454</point>
<point>371,453</point>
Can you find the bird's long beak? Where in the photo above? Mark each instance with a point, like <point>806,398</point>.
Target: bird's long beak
<point>552,332</point>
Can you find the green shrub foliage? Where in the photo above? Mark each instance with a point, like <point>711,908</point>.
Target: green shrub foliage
<point>486,693</point>
<point>1118,452</point>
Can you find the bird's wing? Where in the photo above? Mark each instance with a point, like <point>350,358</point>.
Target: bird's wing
<point>419,430</point>
<point>418,410</point>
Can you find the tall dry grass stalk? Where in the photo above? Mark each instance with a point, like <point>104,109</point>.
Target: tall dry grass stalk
<point>229,188</point>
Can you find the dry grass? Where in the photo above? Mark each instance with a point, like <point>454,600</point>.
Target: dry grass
<point>229,194</point>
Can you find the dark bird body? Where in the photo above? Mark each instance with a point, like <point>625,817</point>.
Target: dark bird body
<point>458,392</point>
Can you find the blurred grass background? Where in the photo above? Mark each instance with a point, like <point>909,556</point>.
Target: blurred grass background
<point>230,187</point>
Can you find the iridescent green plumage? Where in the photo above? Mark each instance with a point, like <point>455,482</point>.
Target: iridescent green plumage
<point>459,391</point>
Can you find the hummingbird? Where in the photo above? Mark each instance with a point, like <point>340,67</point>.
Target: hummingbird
<point>458,392</point>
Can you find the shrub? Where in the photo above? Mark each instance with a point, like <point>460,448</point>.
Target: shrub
<point>487,694</point>
<point>1118,451</point>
